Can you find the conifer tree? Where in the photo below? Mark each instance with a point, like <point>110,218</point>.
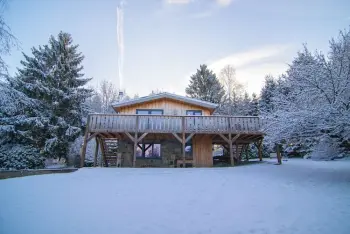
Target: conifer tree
<point>204,85</point>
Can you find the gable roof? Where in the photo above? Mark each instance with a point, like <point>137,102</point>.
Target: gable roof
<point>172,96</point>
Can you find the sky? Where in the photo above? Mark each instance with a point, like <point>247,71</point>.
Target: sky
<point>165,41</point>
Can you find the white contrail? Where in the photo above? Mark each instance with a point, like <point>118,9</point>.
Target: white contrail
<point>120,41</point>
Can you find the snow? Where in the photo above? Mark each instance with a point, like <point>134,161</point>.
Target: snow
<point>300,196</point>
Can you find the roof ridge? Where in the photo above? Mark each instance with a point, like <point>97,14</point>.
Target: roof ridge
<point>151,97</point>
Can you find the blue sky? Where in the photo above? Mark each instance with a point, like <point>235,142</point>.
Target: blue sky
<point>165,41</point>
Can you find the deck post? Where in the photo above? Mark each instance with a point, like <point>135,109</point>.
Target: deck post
<point>237,156</point>
<point>135,141</point>
<point>83,150</point>
<point>102,152</point>
<point>260,149</point>
<point>231,149</point>
<point>183,143</point>
<point>279,161</point>
<point>96,152</point>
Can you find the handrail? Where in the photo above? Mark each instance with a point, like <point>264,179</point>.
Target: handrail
<point>233,116</point>
<point>173,123</point>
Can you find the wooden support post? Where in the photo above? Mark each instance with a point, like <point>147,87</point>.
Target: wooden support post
<point>231,149</point>
<point>135,151</point>
<point>183,143</point>
<point>83,150</point>
<point>135,141</point>
<point>96,152</point>
<point>279,160</point>
<point>237,155</point>
<point>102,153</point>
<point>260,149</point>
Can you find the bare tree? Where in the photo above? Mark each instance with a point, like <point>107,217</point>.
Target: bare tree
<point>234,89</point>
<point>108,94</point>
<point>7,39</point>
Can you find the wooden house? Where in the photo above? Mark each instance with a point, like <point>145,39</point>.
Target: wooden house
<point>168,130</point>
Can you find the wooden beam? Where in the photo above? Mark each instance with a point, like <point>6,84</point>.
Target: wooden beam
<point>131,137</point>
<point>83,150</point>
<point>135,141</point>
<point>189,137</point>
<point>96,152</point>
<point>279,160</point>
<point>231,149</point>
<point>226,148</point>
<point>260,150</point>
<point>110,135</point>
<point>225,139</point>
<point>183,143</point>
<point>235,138</point>
<point>102,152</point>
<point>135,151</point>
<point>142,136</point>
<point>91,136</point>
<point>177,137</point>
<point>149,146</point>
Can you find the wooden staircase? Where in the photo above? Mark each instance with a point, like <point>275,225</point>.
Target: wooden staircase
<point>109,148</point>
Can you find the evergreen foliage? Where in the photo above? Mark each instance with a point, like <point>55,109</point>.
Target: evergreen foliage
<point>204,85</point>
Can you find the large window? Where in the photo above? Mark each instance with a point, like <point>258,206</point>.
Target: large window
<point>149,111</point>
<point>148,151</point>
<point>193,112</point>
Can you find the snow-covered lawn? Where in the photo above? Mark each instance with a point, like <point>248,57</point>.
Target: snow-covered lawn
<point>300,196</point>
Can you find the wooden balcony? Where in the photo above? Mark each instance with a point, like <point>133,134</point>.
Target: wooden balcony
<point>174,124</point>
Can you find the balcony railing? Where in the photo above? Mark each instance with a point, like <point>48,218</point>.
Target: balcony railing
<point>173,124</point>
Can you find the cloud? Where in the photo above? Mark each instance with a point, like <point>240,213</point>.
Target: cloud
<point>224,3</point>
<point>252,66</point>
<point>181,2</point>
<point>201,15</point>
<point>221,3</point>
<point>247,57</point>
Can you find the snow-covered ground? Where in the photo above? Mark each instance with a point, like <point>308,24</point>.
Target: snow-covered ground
<point>300,196</point>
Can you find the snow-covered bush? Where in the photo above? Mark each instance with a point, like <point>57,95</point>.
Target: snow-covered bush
<point>326,149</point>
<point>15,157</point>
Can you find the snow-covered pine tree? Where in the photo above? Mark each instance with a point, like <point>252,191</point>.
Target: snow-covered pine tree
<point>205,86</point>
<point>254,105</point>
<point>267,93</point>
<point>245,105</point>
<point>18,145</point>
<point>53,77</point>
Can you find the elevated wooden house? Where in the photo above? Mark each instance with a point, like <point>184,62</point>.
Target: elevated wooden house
<point>168,130</point>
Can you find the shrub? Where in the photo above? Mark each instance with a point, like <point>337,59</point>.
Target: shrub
<point>16,157</point>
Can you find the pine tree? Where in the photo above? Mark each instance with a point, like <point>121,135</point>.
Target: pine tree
<point>266,95</point>
<point>245,106</point>
<point>53,78</point>
<point>205,86</point>
<point>254,105</point>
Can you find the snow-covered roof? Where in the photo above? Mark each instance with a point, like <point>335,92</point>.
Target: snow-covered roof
<point>176,97</point>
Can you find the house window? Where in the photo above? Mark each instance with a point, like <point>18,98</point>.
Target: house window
<point>193,112</point>
<point>148,151</point>
<point>149,112</point>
